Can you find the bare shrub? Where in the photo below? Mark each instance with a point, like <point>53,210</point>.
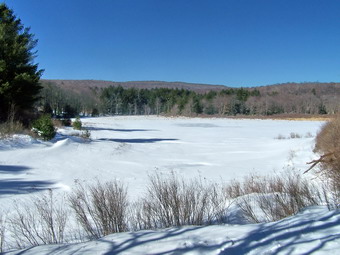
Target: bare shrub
<point>173,202</point>
<point>280,137</point>
<point>308,135</point>
<point>273,198</point>
<point>101,208</point>
<point>42,221</point>
<point>294,135</point>
<point>85,134</point>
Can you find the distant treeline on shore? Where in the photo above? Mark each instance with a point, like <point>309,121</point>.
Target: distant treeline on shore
<point>93,98</point>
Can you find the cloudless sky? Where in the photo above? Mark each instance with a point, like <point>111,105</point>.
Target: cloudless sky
<point>229,42</point>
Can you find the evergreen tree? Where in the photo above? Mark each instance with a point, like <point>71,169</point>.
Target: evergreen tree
<point>19,76</point>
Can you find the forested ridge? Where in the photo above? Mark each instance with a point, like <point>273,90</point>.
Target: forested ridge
<point>89,97</point>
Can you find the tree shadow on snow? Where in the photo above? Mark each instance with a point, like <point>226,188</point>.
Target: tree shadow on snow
<point>141,238</point>
<point>12,169</point>
<point>119,130</point>
<point>285,236</point>
<point>141,140</point>
<point>19,186</point>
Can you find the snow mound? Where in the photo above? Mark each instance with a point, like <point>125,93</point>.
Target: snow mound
<point>16,141</point>
<point>61,143</point>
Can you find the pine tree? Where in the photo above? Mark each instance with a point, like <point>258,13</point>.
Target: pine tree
<point>19,76</point>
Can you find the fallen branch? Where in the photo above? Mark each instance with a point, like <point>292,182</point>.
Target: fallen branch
<point>317,161</point>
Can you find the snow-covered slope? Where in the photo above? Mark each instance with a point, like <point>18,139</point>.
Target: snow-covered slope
<point>313,231</point>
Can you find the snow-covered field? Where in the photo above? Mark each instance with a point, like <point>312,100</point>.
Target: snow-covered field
<point>131,148</point>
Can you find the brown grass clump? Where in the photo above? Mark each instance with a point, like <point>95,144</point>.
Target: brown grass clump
<point>172,201</point>
<point>262,198</point>
<point>328,145</point>
<point>10,128</point>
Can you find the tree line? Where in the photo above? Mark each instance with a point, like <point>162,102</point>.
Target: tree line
<point>117,100</point>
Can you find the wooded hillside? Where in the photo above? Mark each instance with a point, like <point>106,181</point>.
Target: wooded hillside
<point>178,98</point>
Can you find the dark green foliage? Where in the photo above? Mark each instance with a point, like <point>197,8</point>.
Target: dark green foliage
<point>69,111</point>
<point>275,109</point>
<point>197,106</point>
<point>47,109</point>
<point>255,93</point>
<point>66,122</point>
<point>210,110</point>
<point>242,94</point>
<point>118,100</point>
<point>19,76</point>
<point>227,92</point>
<point>322,109</point>
<point>77,124</point>
<point>44,128</point>
<point>210,95</point>
<point>95,112</point>
<point>133,101</point>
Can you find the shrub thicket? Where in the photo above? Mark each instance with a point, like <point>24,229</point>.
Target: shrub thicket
<point>272,198</point>
<point>328,146</point>
<point>171,201</point>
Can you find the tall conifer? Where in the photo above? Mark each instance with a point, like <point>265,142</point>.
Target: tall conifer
<point>19,75</point>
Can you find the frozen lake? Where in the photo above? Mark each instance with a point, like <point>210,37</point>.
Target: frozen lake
<point>130,148</point>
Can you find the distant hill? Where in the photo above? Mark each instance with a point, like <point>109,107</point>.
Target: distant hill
<point>300,88</point>
<point>81,85</point>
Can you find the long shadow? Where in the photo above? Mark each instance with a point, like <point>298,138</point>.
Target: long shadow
<point>12,169</point>
<point>119,130</point>
<point>287,236</point>
<point>141,140</point>
<point>19,186</point>
<point>198,125</point>
<point>138,239</point>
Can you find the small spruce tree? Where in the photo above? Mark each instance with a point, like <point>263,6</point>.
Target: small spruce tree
<point>44,127</point>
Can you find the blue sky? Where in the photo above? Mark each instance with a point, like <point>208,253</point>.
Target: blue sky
<point>229,42</point>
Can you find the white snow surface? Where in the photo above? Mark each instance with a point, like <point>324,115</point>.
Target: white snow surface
<point>129,148</point>
<point>313,231</point>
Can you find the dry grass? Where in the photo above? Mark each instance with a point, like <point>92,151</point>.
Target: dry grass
<point>101,208</point>
<point>328,145</point>
<point>273,198</point>
<point>291,117</point>
<point>10,128</point>
<point>171,201</point>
